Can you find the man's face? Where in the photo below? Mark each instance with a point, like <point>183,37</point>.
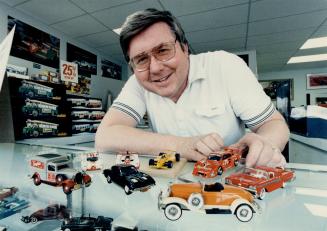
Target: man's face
<point>169,78</point>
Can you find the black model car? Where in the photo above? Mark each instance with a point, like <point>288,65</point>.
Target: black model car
<point>128,177</point>
<point>51,212</point>
<point>87,223</point>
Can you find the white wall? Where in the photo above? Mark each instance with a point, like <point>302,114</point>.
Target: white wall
<point>5,11</point>
<point>300,83</point>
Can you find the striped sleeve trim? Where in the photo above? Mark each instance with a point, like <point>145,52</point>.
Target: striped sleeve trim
<point>128,110</point>
<point>261,117</point>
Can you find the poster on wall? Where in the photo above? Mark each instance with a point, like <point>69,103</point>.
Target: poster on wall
<point>110,69</point>
<point>86,61</point>
<point>33,44</point>
<point>270,87</point>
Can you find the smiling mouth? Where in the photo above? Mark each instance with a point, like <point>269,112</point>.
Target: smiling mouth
<point>162,79</point>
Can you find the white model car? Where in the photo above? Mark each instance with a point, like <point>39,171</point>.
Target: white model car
<point>128,158</point>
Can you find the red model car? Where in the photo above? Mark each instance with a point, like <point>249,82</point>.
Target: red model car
<point>217,162</point>
<point>261,179</point>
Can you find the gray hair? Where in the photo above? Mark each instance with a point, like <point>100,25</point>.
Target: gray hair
<point>141,20</point>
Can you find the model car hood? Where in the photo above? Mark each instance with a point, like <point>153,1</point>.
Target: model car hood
<point>140,178</point>
<point>245,180</point>
<point>68,171</point>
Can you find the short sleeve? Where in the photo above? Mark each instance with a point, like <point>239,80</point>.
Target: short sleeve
<point>131,100</point>
<point>248,100</point>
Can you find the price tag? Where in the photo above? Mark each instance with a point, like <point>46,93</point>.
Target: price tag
<point>68,71</point>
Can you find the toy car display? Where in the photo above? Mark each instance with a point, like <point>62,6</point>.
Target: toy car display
<point>56,169</point>
<point>207,198</point>
<point>87,223</point>
<point>11,205</point>
<point>51,212</point>
<point>129,178</point>
<point>128,158</point>
<point>165,159</point>
<point>261,179</point>
<point>217,162</point>
<point>6,192</point>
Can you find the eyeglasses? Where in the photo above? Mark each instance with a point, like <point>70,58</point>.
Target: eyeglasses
<point>162,52</point>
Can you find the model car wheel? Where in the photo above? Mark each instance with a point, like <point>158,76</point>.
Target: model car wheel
<point>127,190</point>
<point>37,180</point>
<point>195,200</point>
<point>244,213</point>
<point>151,162</point>
<point>178,157</point>
<point>173,212</point>
<point>34,220</point>
<point>35,113</point>
<point>235,163</point>
<point>35,133</point>
<point>67,229</point>
<point>30,94</point>
<point>169,164</point>
<point>109,179</point>
<point>284,184</point>
<point>220,171</point>
<point>262,194</point>
<point>67,190</point>
<point>59,179</point>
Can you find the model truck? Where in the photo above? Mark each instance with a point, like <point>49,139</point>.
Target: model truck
<point>36,128</point>
<point>33,90</point>
<point>38,108</point>
<point>56,170</point>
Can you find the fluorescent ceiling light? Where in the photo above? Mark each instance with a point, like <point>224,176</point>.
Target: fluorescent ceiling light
<point>315,43</point>
<point>117,30</point>
<point>307,58</point>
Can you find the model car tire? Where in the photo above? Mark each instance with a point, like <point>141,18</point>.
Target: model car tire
<point>284,184</point>
<point>178,157</point>
<point>34,220</point>
<point>195,200</point>
<point>37,180</point>
<point>262,194</point>
<point>30,94</point>
<point>35,113</point>
<point>244,213</point>
<point>220,171</point>
<point>173,212</point>
<point>67,229</point>
<point>67,190</point>
<point>151,162</point>
<point>109,179</point>
<point>60,179</point>
<point>35,133</point>
<point>170,164</point>
<point>127,190</point>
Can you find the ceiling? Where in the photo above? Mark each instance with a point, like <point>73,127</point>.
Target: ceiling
<point>276,29</point>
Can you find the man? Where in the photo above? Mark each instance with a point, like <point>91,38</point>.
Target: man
<point>196,103</point>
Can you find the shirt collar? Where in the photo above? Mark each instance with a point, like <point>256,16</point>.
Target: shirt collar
<point>196,69</point>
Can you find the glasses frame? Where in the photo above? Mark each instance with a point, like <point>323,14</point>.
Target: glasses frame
<point>149,53</point>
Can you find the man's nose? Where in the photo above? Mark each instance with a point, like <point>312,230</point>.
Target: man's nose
<point>155,65</point>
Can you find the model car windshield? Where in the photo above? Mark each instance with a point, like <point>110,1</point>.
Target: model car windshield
<point>256,173</point>
<point>62,166</point>
<point>214,157</point>
<point>216,187</point>
<point>129,170</point>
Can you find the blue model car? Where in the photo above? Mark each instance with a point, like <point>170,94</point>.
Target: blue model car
<point>12,205</point>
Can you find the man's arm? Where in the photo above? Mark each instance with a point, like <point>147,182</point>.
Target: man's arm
<point>266,142</point>
<point>117,132</point>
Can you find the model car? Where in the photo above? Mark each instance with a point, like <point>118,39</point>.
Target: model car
<point>217,162</point>
<point>261,179</point>
<point>35,90</point>
<point>11,205</point>
<point>55,169</point>
<point>165,159</point>
<point>91,161</point>
<point>129,178</point>
<point>51,212</point>
<point>128,158</point>
<point>36,128</point>
<point>6,192</point>
<point>207,198</point>
<point>87,223</point>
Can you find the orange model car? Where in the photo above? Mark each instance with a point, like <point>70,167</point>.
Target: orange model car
<point>260,179</point>
<point>217,162</point>
<point>210,199</point>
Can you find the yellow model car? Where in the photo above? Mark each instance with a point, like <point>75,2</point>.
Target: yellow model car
<point>165,159</point>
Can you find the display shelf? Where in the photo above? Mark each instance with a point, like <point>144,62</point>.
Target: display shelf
<point>300,206</point>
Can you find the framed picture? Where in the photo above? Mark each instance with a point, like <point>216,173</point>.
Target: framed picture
<point>86,61</point>
<point>317,81</point>
<point>110,69</point>
<point>270,87</point>
<point>33,44</point>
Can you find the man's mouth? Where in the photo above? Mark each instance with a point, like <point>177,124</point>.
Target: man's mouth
<point>162,79</point>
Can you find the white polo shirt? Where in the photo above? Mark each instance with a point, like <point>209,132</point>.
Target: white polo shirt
<point>221,96</point>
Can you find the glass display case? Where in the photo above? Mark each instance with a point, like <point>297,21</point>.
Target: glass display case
<point>300,205</point>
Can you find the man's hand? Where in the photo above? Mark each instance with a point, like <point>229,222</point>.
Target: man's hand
<point>199,147</point>
<point>261,151</point>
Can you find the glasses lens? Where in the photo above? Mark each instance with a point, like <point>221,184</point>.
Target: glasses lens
<point>141,62</point>
<point>164,52</point>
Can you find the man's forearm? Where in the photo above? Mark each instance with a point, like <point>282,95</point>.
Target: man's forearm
<point>124,138</point>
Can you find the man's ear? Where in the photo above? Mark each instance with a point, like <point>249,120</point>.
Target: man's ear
<point>185,49</point>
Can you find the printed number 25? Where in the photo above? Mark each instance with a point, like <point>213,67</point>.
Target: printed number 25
<point>68,70</point>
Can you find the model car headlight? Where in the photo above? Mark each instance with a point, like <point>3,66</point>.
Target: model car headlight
<point>144,178</point>
<point>134,180</point>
